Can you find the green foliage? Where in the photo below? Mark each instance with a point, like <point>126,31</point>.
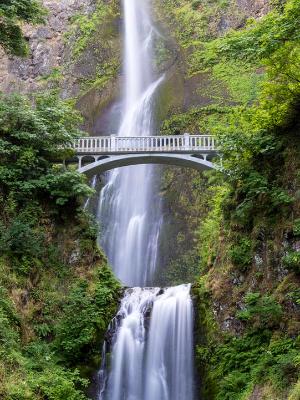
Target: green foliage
<point>295,392</point>
<point>86,26</point>
<point>232,365</point>
<point>236,81</point>
<point>196,21</point>
<point>12,14</point>
<point>240,363</point>
<point>23,242</point>
<point>254,90</point>
<point>292,261</point>
<point>241,253</point>
<point>263,40</point>
<point>87,314</point>
<point>212,226</point>
<point>296,227</point>
<point>32,140</point>
<point>9,337</point>
<point>69,328</point>
<point>260,311</point>
<point>58,295</point>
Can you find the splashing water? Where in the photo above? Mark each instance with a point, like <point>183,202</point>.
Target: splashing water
<point>152,362</point>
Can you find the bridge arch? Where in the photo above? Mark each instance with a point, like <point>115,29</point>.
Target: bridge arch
<point>108,162</point>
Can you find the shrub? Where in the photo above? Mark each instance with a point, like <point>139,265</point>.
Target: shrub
<point>260,311</point>
<point>292,261</point>
<point>196,4</point>
<point>241,253</point>
<point>296,227</point>
<point>86,315</point>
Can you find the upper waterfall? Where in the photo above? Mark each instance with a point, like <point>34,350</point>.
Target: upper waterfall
<point>129,207</point>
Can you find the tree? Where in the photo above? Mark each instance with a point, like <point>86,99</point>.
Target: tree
<point>34,140</point>
<point>12,14</point>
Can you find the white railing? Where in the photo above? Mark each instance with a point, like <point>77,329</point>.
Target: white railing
<point>138,144</point>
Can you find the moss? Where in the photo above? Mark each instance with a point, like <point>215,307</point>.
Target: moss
<point>99,22</point>
<point>170,95</point>
<point>232,367</point>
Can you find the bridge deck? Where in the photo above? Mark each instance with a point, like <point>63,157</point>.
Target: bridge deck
<point>183,144</point>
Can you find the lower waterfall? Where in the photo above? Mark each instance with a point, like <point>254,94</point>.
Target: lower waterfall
<point>152,347</point>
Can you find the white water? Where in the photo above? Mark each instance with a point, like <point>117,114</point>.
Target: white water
<point>153,363</point>
<point>152,345</point>
<point>129,210</point>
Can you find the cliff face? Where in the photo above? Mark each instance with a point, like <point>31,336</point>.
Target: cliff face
<point>48,47</point>
<point>77,51</point>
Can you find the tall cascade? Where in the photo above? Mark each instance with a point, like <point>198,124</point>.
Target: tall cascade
<point>129,210</point>
<point>151,349</point>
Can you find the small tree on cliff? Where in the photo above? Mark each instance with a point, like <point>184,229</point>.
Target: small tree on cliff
<point>12,14</point>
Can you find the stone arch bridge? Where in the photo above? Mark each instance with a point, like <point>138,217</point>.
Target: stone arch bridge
<point>103,153</point>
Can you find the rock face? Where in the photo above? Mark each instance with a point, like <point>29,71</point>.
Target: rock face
<point>254,8</point>
<point>47,47</point>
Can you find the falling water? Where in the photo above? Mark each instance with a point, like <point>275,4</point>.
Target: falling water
<point>152,344</point>
<point>129,210</point>
<point>152,362</point>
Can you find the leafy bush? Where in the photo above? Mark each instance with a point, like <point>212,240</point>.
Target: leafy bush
<point>241,253</point>
<point>86,316</point>
<point>292,261</point>
<point>296,227</point>
<point>32,140</point>
<point>261,311</point>
<point>240,363</point>
<point>13,14</point>
<point>232,385</point>
<point>196,4</point>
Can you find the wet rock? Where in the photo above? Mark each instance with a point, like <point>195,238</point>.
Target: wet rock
<point>231,324</point>
<point>75,255</point>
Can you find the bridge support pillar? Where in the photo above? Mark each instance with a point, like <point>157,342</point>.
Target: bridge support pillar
<point>80,161</point>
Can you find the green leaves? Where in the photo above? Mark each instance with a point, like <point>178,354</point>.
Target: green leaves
<point>32,139</point>
<point>87,314</point>
<point>291,260</point>
<point>241,254</point>
<point>261,312</point>
<point>12,14</point>
<point>258,42</point>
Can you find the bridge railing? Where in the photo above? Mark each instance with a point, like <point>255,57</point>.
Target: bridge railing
<point>133,144</point>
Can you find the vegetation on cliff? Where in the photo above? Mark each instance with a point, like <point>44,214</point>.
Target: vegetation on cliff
<point>57,293</point>
<point>12,15</point>
<point>248,241</point>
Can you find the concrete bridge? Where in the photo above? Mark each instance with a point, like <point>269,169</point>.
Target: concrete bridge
<point>103,153</point>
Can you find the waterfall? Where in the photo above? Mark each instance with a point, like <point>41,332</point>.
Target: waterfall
<point>152,362</point>
<point>129,210</point>
<point>152,342</point>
